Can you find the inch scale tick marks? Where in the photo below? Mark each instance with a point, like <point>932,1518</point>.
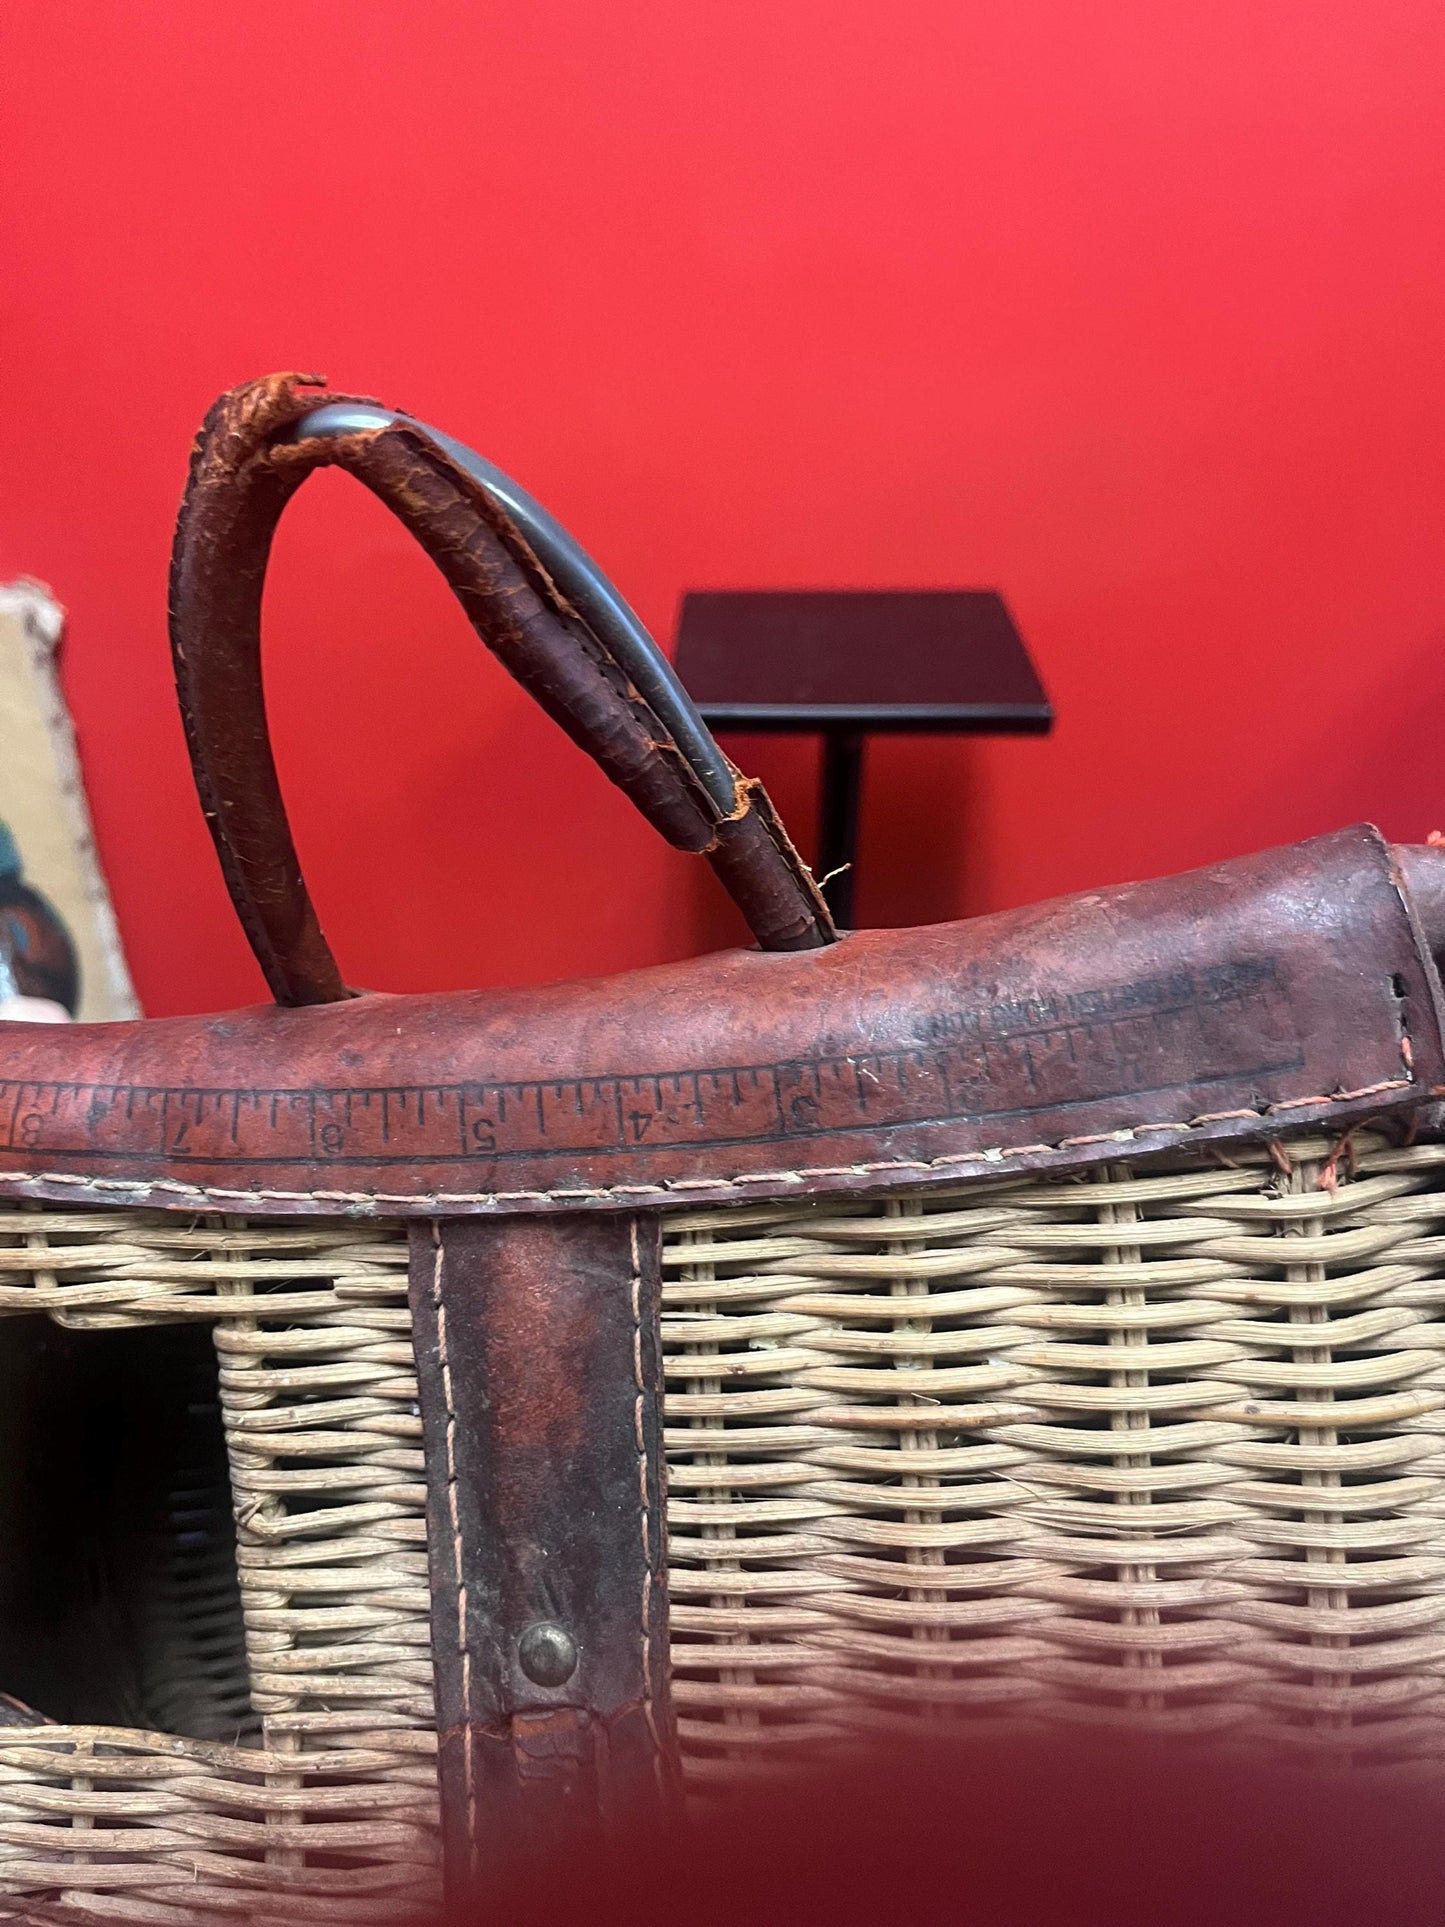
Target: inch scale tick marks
<point>1045,1054</point>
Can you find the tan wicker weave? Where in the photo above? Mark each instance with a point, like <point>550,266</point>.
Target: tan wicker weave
<point>318,1388</point>
<point>1158,1444</point>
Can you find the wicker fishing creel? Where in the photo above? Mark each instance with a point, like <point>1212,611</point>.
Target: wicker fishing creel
<point>1023,1323</point>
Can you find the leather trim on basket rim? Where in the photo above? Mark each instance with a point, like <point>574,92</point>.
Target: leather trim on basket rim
<point>1289,989</point>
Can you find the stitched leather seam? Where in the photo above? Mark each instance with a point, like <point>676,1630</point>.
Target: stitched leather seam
<point>439,1310</point>
<point>667,1188</point>
<point>640,1432</point>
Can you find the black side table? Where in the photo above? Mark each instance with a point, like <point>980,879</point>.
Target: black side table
<point>845,663</point>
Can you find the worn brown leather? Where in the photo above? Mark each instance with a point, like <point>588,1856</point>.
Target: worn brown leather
<point>538,1362</point>
<point>533,1136</point>
<point>243,473</point>
<point>1287,989</point>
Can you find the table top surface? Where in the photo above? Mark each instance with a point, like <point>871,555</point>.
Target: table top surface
<point>934,659</point>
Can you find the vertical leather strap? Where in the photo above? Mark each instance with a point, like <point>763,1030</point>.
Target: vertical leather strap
<point>538,1359</point>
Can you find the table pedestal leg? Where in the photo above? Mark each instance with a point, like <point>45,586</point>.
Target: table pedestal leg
<point>838,825</point>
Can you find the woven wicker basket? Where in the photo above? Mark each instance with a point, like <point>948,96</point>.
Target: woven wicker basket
<point>980,1402</point>
<point>1160,1444</point>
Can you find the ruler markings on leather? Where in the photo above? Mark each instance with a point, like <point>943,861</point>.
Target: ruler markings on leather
<point>1158,1035</point>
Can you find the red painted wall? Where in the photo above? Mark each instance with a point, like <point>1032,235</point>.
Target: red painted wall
<point>1131,309</point>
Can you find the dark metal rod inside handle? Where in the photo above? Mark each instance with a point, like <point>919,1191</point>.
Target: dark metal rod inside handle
<point>596,600</point>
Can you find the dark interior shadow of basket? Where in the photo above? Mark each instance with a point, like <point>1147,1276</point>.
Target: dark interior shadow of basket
<point>119,1599</point>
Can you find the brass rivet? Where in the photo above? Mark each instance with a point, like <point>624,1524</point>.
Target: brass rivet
<point>548,1654</point>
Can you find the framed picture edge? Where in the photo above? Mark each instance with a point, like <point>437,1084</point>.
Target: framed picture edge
<point>40,619</point>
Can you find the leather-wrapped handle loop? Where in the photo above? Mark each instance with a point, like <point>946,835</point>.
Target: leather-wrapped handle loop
<point>253,452</point>
<point>587,591</point>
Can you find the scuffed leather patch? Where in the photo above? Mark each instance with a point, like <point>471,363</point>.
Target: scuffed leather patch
<point>540,1385</point>
<point>1287,989</point>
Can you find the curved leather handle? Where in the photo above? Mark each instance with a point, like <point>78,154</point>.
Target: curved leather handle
<point>252,454</point>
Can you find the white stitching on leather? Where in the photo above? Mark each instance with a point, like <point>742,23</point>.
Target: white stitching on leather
<point>439,1309</point>
<point>668,1188</point>
<point>639,1427</point>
